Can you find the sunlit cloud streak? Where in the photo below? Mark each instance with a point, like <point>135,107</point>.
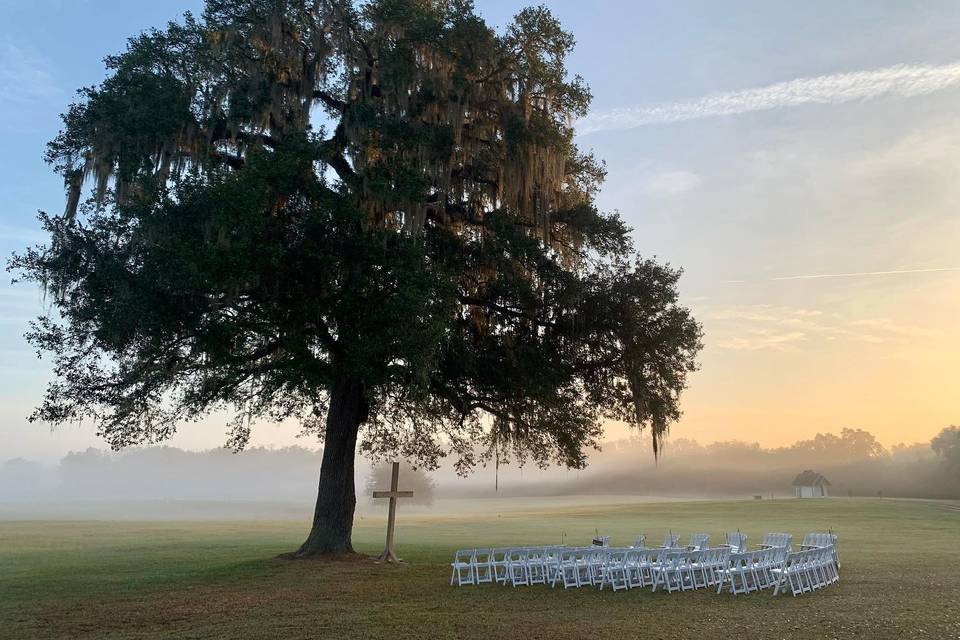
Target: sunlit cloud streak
<point>900,80</point>
<point>860,274</point>
<point>758,327</point>
<point>852,274</point>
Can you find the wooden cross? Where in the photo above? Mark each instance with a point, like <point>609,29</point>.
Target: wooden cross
<point>388,555</point>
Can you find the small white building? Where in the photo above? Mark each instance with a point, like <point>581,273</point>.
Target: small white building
<point>811,484</point>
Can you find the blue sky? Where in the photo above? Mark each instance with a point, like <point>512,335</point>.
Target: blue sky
<point>811,172</point>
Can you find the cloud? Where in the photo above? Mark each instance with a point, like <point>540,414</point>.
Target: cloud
<point>650,180</point>
<point>29,93</point>
<point>25,77</point>
<point>669,183</point>
<point>899,80</point>
<point>763,339</point>
<point>782,328</point>
<point>892,328</point>
<point>754,327</point>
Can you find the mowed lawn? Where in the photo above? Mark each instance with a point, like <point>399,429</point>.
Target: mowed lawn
<point>900,578</point>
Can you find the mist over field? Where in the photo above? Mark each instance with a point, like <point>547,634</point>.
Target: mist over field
<point>166,482</point>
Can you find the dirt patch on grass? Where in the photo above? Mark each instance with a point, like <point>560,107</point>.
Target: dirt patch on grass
<point>327,558</point>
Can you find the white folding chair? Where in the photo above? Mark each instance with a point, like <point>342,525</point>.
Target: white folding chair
<point>670,541</point>
<point>498,562</point>
<point>766,560</point>
<point>698,541</point>
<point>551,562</point>
<point>596,561</point>
<point>739,574</point>
<point>667,571</point>
<point>786,573</point>
<point>708,566</point>
<point>482,566</point>
<point>737,542</point>
<point>615,570</point>
<point>462,565</point>
<point>832,566</point>
<point>537,565</point>
<point>568,569</point>
<point>687,569</point>
<point>517,571</point>
<point>777,540</point>
<point>640,563</point>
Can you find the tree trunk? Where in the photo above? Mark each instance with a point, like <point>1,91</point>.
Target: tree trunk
<point>336,497</point>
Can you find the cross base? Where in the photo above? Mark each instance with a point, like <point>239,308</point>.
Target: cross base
<point>388,556</point>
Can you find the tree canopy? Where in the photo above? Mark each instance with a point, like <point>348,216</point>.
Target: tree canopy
<point>946,444</point>
<point>372,218</point>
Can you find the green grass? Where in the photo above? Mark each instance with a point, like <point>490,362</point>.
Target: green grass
<point>900,578</point>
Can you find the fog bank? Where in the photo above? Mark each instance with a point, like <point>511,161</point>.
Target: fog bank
<point>166,482</point>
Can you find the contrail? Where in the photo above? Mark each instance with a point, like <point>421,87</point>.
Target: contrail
<point>900,80</point>
<point>858,274</point>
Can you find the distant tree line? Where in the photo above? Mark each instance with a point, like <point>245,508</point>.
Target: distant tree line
<point>853,461</point>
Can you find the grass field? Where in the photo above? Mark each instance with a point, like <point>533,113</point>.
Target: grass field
<point>900,578</point>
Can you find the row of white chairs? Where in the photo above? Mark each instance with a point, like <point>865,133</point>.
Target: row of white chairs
<point>619,568</point>
<point>672,568</point>
<point>819,541</point>
<point>801,571</point>
<point>811,540</point>
<point>736,541</point>
<point>806,571</point>
<point>689,569</point>
<point>751,571</point>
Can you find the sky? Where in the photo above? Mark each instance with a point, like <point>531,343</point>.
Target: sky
<point>800,161</point>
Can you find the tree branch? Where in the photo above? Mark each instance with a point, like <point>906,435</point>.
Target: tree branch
<point>234,162</point>
<point>493,306</point>
<point>333,102</point>
<point>333,155</point>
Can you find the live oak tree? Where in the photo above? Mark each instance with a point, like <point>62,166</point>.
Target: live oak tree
<point>373,219</point>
